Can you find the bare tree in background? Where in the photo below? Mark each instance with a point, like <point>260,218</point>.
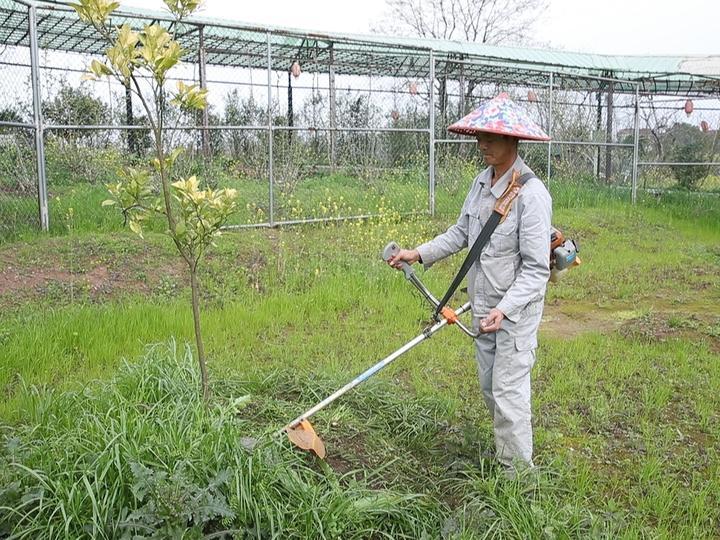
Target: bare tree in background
<point>493,22</point>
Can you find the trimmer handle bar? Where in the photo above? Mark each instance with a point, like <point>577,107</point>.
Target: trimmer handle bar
<point>393,249</point>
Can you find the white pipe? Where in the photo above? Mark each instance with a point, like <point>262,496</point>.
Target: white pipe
<point>374,369</point>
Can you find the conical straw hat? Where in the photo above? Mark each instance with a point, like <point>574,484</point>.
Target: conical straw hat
<point>503,116</point>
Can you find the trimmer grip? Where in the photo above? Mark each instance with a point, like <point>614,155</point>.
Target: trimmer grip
<point>392,249</point>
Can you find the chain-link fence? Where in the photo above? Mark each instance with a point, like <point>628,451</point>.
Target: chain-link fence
<point>313,128</point>
<point>678,144</point>
<point>19,201</point>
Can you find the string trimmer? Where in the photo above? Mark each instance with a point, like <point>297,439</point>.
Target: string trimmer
<point>563,255</point>
<point>301,432</point>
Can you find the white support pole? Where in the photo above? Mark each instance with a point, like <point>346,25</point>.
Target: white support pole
<point>38,120</point>
<point>550,126</point>
<point>461,112</point>
<point>271,211</point>
<point>202,71</point>
<point>431,156</point>
<point>636,148</point>
<point>609,105</point>
<point>333,119</point>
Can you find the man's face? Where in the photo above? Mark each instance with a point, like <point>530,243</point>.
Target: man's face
<point>496,149</point>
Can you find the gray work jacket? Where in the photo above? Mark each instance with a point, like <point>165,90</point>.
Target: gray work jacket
<point>514,267</point>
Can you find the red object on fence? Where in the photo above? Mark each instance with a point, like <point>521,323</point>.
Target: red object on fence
<point>395,115</point>
<point>532,96</point>
<point>295,69</point>
<point>689,107</point>
<point>413,88</point>
<point>704,126</point>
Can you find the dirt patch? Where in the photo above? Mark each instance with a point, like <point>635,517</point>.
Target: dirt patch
<point>13,279</point>
<point>568,320</point>
<point>348,454</point>
<point>559,324</point>
<point>56,272</point>
<point>650,327</point>
<point>96,282</point>
<point>658,327</point>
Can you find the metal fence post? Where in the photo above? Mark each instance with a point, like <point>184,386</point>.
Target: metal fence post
<point>431,157</point>
<point>38,120</point>
<point>598,126</point>
<point>333,120</point>
<point>636,145</point>
<point>202,71</point>
<point>461,112</point>
<point>550,127</point>
<point>609,131</point>
<point>270,133</point>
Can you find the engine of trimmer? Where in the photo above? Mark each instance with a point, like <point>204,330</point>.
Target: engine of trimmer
<point>563,255</point>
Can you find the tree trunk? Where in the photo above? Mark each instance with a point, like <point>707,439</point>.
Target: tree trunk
<point>442,95</point>
<point>198,336</point>
<point>133,146</point>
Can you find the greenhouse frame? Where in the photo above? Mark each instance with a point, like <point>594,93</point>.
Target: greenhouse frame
<point>352,102</point>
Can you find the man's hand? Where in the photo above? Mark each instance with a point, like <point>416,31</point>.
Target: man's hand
<point>491,323</point>
<point>410,256</point>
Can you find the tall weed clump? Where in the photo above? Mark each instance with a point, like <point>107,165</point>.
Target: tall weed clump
<point>143,456</point>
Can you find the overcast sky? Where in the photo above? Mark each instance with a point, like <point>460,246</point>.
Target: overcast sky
<point>645,27</point>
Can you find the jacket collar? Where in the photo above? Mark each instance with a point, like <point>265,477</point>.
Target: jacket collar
<point>502,183</point>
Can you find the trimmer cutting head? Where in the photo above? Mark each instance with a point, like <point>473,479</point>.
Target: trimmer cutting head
<point>303,436</point>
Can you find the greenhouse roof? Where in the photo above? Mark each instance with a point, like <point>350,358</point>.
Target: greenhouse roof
<point>229,43</point>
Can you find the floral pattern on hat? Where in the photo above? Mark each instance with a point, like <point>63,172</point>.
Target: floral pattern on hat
<point>503,116</point>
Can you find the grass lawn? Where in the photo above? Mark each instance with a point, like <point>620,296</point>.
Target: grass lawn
<point>102,432</point>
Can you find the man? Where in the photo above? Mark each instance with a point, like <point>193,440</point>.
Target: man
<point>507,283</point>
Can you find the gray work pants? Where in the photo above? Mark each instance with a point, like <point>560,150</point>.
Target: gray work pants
<point>505,359</point>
